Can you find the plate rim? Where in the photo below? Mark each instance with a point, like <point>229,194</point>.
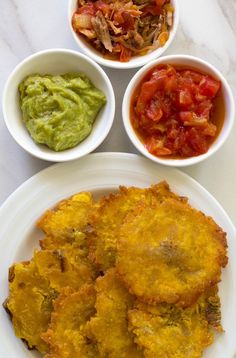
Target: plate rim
<point>53,167</point>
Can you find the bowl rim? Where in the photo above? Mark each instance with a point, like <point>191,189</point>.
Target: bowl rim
<point>185,161</point>
<point>53,156</point>
<point>136,62</point>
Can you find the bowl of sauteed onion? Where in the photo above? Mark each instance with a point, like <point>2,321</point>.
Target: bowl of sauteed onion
<point>123,33</point>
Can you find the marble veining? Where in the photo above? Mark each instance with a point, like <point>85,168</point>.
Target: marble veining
<point>207,29</point>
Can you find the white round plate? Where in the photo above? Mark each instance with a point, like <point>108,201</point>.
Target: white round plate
<point>101,173</point>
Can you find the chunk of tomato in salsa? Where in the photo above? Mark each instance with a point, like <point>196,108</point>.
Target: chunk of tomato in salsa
<point>209,87</point>
<point>172,111</point>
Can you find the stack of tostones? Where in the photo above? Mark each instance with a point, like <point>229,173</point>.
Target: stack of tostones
<point>134,274</point>
<point>63,262</point>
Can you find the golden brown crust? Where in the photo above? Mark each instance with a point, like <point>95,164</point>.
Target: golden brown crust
<point>66,336</point>
<point>209,304</point>
<point>111,213</point>
<point>63,224</point>
<point>64,259</point>
<point>164,330</point>
<point>29,304</point>
<point>109,326</point>
<point>170,253</point>
<point>64,268</point>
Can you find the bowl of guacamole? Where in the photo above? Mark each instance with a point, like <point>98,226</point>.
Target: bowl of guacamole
<point>59,105</point>
<point>60,110</point>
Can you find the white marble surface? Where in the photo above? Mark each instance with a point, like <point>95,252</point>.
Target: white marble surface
<point>207,29</point>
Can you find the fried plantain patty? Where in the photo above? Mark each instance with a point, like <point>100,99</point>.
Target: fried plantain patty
<point>64,224</point>
<point>65,249</point>
<point>165,330</point>
<point>170,252</point>
<point>64,268</point>
<point>109,327</point>
<point>111,213</point>
<point>66,334</point>
<point>29,303</point>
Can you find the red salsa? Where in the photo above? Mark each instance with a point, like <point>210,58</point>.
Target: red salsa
<point>177,112</point>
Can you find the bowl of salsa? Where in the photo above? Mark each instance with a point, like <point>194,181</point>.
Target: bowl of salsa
<point>178,110</point>
<point>123,34</point>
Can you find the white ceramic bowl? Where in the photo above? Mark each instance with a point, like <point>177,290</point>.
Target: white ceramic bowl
<point>202,66</point>
<point>136,61</point>
<point>57,61</point>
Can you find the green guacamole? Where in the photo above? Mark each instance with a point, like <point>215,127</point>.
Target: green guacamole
<point>59,111</point>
